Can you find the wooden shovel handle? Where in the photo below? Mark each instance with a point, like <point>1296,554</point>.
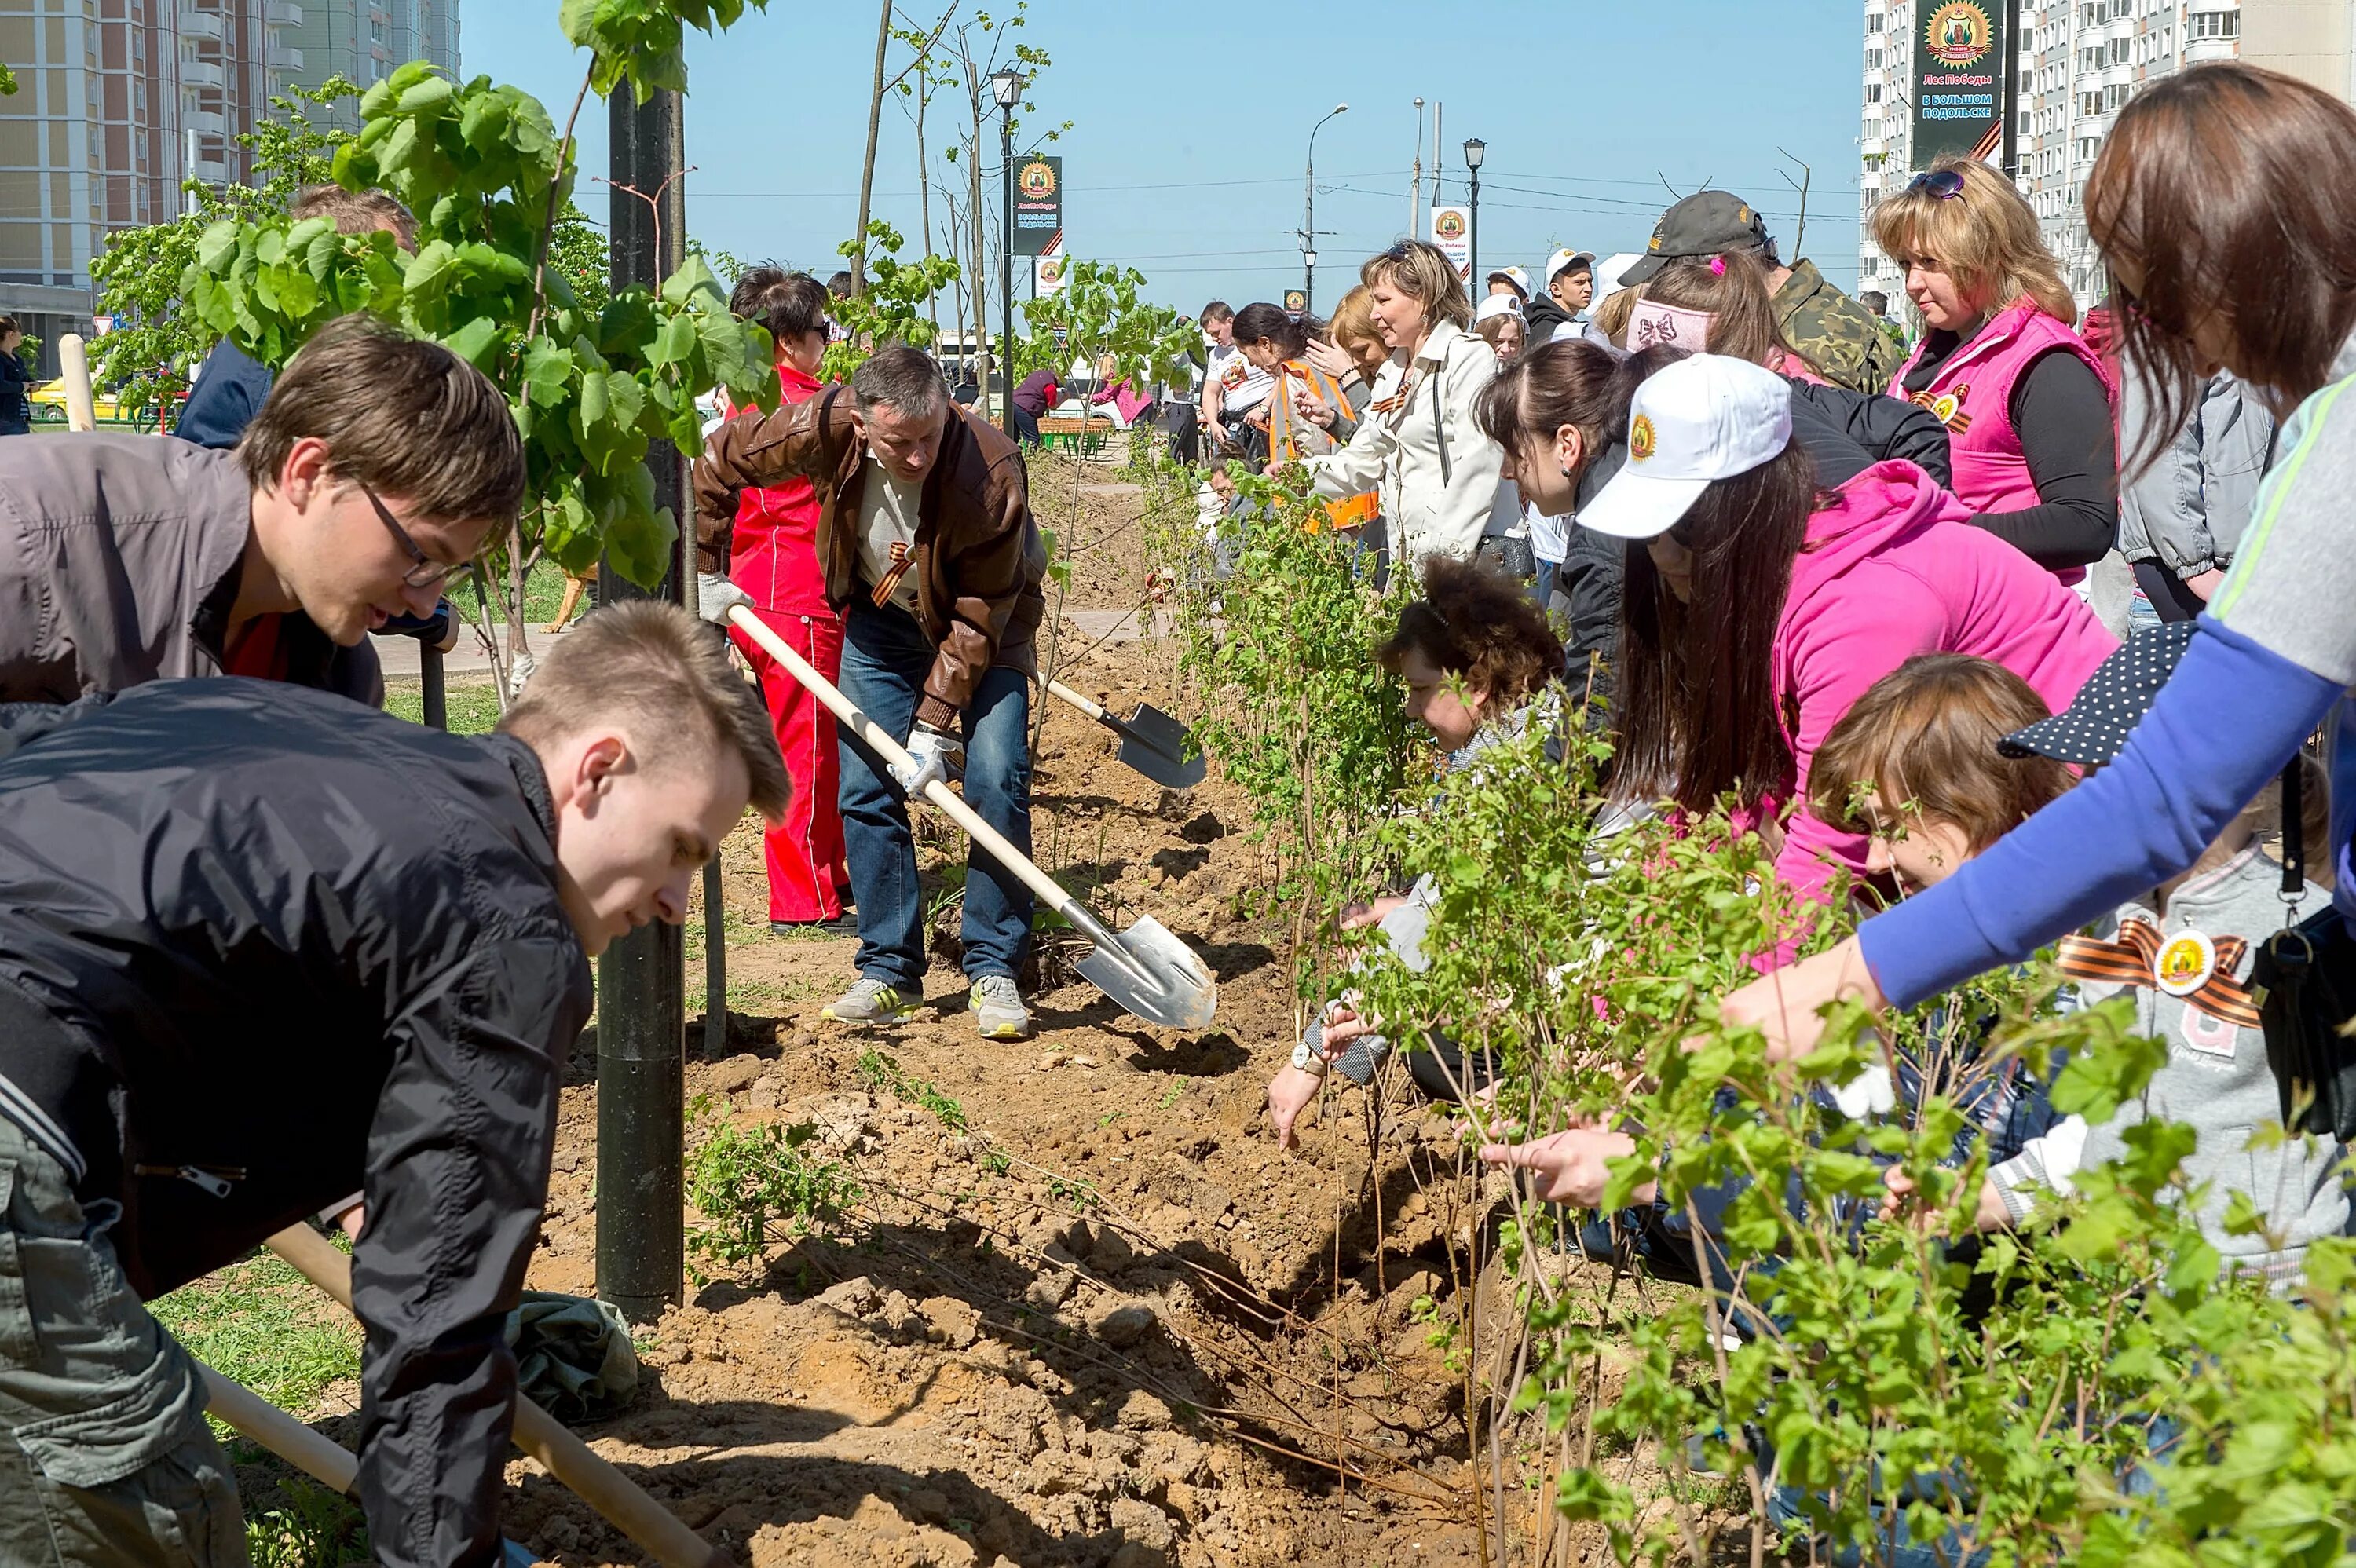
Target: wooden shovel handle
<point>623,1502</point>
<point>1042,886</point>
<point>73,365</point>
<point>321,1459</point>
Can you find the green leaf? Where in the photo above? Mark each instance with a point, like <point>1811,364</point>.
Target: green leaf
<point>675,342</point>
<point>638,544</point>
<point>475,341</point>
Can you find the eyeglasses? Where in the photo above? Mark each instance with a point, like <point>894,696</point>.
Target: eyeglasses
<point>1944,184</point>
<point>426,572</point>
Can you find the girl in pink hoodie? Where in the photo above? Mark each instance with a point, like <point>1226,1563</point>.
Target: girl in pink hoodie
<point>1762,607</point>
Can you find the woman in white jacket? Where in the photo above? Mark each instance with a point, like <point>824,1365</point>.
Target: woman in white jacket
<point>1422,449</point>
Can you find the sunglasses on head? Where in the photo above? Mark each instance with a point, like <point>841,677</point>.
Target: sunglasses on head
<point>1944,184</point>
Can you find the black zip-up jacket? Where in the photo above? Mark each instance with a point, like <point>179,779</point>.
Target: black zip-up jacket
<point>298,948</point>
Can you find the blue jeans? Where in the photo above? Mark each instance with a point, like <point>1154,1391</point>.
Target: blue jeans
<point>886,658</point>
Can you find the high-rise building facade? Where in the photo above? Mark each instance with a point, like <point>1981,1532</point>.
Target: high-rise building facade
<point>2080,60</point>
<point>119,100</point>
<point>363,40</point>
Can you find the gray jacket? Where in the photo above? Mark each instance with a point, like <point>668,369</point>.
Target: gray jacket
<point>2186,511</point>
<point>120,557</point>
<point>2216,1079</point>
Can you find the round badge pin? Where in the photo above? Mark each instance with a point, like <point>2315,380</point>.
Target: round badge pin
<point>2185,962</point>
<point>1640,438</point>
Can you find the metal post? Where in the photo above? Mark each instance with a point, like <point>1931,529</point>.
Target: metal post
<point>1472,238</point>
<point>715,963</point>
<point>641,1003</point>
<point>1006,257</point>
<point>431,692</point>
<point>2011,154</point>
<point>1415,178</point>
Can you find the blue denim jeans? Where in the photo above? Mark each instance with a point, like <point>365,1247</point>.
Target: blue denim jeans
<point>886,658</point>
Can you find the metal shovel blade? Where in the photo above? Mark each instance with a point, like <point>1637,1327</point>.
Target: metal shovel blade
<point>1160,748</point>
<point>1154,974</point>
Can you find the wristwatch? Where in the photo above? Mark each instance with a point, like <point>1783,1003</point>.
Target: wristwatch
<point>1306,1058</point>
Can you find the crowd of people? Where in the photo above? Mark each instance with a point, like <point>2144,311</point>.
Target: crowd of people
<point>2024,630</point>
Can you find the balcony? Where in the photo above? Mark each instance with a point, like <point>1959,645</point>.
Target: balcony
<point>286,59</point>
<point>203,121</point>
<point>282,14</point>
<point>1873,147</point>
<point>202,73</point>
<point>2196,50</point>
<point>196,23</point>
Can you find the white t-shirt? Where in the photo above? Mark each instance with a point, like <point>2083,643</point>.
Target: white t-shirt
<point>1242,384</point>
<point>887,532</point>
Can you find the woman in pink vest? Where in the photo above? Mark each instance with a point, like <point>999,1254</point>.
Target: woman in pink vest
<point>774,558</point>
<point>1761,604</point>
<point>2029,407</point>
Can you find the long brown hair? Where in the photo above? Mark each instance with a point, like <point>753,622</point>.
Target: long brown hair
<point>1696,687</point>
<point>1733,289</point>
<point>2227,186</point>
<point>1985,237</point>
<point>1550,385</point>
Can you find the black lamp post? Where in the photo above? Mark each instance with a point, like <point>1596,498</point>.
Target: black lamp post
<point>1474,150</point>
<point>1006,86</point>
<point>1309,215</point>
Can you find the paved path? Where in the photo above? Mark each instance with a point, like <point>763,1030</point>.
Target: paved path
<point>400,655</point>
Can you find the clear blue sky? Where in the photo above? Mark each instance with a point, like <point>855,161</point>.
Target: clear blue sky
<point>1189,125</point>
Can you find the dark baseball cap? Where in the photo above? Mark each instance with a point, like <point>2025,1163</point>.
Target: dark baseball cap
<point>2096,726</point>
<point>1707,223</point>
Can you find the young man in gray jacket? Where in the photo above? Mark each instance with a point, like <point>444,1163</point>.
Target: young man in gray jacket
<point>368,480</point>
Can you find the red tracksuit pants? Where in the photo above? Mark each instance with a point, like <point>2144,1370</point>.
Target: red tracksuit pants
<point>807,872</point>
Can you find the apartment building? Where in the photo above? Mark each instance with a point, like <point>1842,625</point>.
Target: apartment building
<point>363,40</point>
<point>2079,62</point>
<point>120,100</point>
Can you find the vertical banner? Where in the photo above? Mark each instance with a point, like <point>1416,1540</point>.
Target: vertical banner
<point>1295,301</point>
<point>1048,272</point>
<point>1451,231</point>
<point>1960,98</point>
<point>1038,204</point>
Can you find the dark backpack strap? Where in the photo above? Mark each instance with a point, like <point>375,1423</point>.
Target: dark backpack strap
<point>1439,421</point>
<point>2294,878</point>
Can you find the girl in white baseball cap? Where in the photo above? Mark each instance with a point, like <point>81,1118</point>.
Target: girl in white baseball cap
<point>1757,607</point>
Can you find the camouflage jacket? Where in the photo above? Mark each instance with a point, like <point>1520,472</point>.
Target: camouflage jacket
<point>1840,336</point>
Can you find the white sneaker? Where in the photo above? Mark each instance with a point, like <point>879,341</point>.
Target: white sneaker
<point>870,1001</point>
<point>998,1009</point>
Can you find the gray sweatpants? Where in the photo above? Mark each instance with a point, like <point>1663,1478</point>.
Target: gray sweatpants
<point>105,1458</point>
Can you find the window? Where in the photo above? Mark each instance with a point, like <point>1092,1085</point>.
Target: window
<point>1872,94</point>
<point>1873,22</point>
<point>1873,59</point>
<point>2214,25</point>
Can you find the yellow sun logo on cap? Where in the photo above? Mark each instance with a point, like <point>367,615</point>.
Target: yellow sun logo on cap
<point>1640,439</point>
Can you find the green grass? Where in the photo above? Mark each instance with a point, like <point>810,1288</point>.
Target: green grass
<point>472,701</point>
<point>263,1324</point>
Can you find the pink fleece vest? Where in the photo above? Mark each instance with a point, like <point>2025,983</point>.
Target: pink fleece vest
<point>1972,396</point>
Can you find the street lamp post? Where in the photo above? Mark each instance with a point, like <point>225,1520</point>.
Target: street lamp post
<point>1309,215</point>
<point>1475,150</point>
<point>1006,86</point>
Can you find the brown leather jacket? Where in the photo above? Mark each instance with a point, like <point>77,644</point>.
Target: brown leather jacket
<point>980,559</point>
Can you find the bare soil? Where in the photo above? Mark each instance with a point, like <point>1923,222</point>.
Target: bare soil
<point>1108,1322</point>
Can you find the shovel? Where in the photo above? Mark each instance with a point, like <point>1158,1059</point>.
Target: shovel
<point>236,1406</point>
<point>1145,969</point>
<point>1151,741</point>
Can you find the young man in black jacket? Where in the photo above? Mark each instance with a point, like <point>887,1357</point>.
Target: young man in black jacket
<point>261,946</point>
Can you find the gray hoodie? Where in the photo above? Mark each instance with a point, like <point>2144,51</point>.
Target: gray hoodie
<point>2216,1079</point>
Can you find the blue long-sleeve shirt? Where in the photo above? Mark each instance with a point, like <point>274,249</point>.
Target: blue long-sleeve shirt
<point>2274,658</point>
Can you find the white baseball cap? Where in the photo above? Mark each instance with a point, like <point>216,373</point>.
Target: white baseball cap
<point>1702,419</point>
<point>1496,305</point>
<point>1514,275</point>
<point>1608,270</point>
<point>1564,258</point>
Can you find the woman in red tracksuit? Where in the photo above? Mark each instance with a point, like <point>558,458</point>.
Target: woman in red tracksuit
<point>774,560</point>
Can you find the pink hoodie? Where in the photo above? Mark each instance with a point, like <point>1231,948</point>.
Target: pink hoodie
<point>1892,571</point>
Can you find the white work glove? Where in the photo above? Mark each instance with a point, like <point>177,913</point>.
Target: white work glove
<point>715,596</point>
<point>931,754</point>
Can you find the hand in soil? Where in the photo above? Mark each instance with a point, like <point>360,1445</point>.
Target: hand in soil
<point>1289,1092</point>
<point>1571,1165</point>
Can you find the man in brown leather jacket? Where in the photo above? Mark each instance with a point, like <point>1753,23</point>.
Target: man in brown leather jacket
<point>931,555</point>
